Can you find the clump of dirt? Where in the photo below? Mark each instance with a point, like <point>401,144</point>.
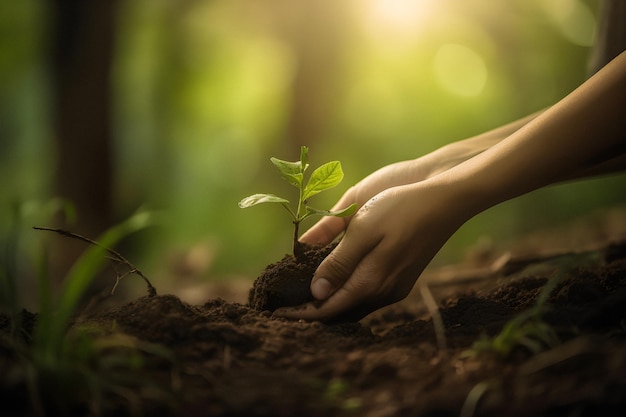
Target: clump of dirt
<point>286,283</point>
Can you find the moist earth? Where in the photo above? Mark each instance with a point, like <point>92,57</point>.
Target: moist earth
<point>228,359</point>
<point>286,283</point>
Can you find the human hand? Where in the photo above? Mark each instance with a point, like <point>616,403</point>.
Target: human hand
<point>400,173</point>
<point>404,219</point>
<point>403,173</point>
<point>388,243</point>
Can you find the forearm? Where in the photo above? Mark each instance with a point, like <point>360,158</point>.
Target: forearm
<point>455,153</point>
<point>580,134</point>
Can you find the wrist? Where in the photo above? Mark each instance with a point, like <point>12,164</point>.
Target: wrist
<point>456,199</point>
<point>466,192</point>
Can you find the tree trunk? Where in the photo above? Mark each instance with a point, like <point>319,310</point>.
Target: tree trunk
<point>317,32</point>
<point>82,34</point>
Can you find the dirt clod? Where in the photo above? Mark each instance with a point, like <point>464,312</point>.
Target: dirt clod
<point>287,283</point>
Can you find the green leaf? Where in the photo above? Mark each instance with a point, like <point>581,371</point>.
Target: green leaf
<point>326,176</point>
<point>255,199</point>
<point>290,171</point>
<point>304,157</point>
<point>323,178</point>
<point>348,211</point>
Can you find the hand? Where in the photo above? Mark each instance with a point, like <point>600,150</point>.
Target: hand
<point>404,173</point>
<point>401,173</point>
<point>402,223</point>
<point>388,243</point>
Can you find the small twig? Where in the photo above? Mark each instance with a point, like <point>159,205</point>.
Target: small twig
<point>227,357</point>
<point>120,277</point>
<point>559,354</point>
<point>433,309</point>
<point>473,397</point>
<point>114,256</point>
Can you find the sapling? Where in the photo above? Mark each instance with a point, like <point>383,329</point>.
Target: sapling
<point>326,176</point>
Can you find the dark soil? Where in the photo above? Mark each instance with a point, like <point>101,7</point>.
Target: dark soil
<point>286,283</point>
<point>229,359</point>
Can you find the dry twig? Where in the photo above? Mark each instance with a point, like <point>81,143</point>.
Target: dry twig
<point>114,256</point>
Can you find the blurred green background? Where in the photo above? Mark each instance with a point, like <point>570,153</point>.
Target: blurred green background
<point>177,106</point>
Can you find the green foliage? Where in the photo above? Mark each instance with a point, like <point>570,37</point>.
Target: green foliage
<point>387,101</point>
<point>97,370</point>
<point>526,330</point>
<point>323,178</point>
<point>67,368</point>
<point>12,247</point>
<point>336,392</point>
<point>529,329</point>
<point>54,319</point>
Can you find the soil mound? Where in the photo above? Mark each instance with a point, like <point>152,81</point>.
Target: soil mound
<point>286,283</point>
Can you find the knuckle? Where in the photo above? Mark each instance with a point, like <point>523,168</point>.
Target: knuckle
<point>363,289</point>
<point>336,269</point>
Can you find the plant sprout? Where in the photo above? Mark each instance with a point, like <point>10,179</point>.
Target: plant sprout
<point>326,176</point>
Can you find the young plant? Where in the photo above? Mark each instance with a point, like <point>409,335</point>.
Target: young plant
<point>326,176</point>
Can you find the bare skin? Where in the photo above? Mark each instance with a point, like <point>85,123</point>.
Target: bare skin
<point>408,210</point>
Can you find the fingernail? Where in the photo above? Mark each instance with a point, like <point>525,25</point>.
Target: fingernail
<point>321,289</point>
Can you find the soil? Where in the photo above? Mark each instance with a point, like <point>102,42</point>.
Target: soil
<point>232,359</point>
<point>286,283</point>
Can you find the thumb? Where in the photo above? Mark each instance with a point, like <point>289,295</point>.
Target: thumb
<point>338,266</point>
<point>324,231</point>
<point>329,227</point>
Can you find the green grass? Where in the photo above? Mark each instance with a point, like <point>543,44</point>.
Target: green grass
<point>528,329</point>
<point>54,318</point>
<point>62,368</point>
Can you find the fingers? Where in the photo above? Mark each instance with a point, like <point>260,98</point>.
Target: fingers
<point>341,307</point>
<point>351,302</point>
<point>383,252</point>
<point>324,231</point>
<point>329,227</point>
<point>342,285</point>
<point>334,271</point>
<point>341,263</point>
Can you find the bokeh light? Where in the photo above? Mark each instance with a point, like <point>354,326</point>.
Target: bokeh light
<point>460,70</point>
<point>574,19</point>
<point>404,19</point>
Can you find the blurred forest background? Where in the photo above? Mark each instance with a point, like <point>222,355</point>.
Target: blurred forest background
<point>177,106</point>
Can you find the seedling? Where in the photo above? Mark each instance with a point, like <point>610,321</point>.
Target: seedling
<point>326,176</point>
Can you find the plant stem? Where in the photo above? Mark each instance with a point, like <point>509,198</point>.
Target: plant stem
<point>298,249</point>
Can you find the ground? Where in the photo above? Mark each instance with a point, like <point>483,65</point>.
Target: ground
<point>414,358</point>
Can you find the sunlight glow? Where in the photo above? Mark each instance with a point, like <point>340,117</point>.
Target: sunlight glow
<point>401,17</point>
<point>460,70</point>
<point>574,19</point>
